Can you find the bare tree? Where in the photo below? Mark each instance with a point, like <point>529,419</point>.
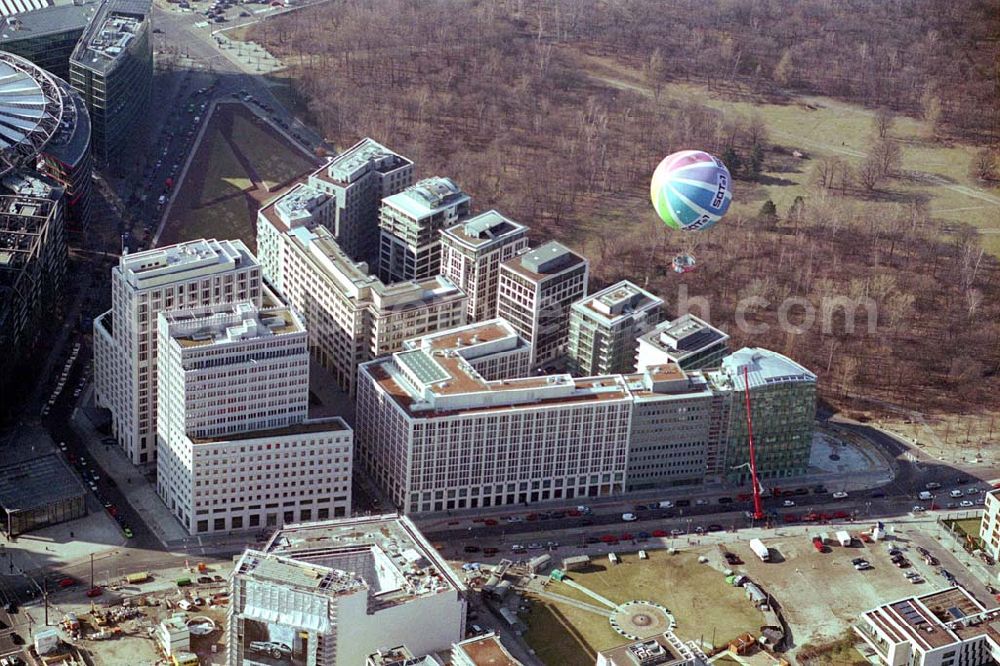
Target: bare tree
<point>888,156</point>
<point>784,71</point>
<point>883,121</point>
<point>984,165</point>
<point>870,173</point>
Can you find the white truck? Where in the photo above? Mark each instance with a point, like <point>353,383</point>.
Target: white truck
<point>760,550</point>
<point>843,538</point>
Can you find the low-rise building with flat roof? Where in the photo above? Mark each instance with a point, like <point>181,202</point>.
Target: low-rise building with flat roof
<point>662,650</point>
<point>484,650</point>
<point>37,490</point>
<point>340,591</point>
<point>688,341</point>
<point>942,628</point>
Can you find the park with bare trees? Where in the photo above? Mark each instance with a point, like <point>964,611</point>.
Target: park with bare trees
<point>857,136</point>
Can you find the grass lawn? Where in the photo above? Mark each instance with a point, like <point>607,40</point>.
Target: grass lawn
<point>703,605</point>
<point>212,203</point>
<point>274,159</point>
<point>562,635</point>
<point>820,127</point>
<point>224,175</point>
<point>969,526</point>
<point>217,197</point>
<point>843,655</point>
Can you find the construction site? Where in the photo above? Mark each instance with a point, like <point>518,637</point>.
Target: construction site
<point>139,619</point>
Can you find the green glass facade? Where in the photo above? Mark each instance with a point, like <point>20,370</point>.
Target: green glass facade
<point>51,52</point>
<point>783,421</point>
<point>115,84</point>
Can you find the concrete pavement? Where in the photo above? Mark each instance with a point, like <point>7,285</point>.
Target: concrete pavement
<point>140,494</point>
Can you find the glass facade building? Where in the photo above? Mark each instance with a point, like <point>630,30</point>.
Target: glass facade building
<point>112,69</point>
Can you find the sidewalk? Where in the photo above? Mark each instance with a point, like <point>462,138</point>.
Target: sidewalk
<point>137,491</point>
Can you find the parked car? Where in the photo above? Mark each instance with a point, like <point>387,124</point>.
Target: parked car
<point>788,503</point>
<point>732,558</point>
<point>629,517</point>
<point>840,494</point>
<point>472,549</point>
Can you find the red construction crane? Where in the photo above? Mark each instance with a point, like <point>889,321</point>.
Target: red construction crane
<point>758,511</point>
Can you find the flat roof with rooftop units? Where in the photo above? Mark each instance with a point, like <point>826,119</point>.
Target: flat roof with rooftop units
<point>295,207</point>
<point>484,230</point>
<point>228,323</point>
<point>427,197</point>
<point>661,650</point>
<point>545,261</point>
<point>765,367</point>
<point>617,302</point>
<point>930,623</point>
<point>485,650</point>
<point>388,553</point>
<point>189,259</point>
<point>109,34</point>
<point>471,340</point>
<point>360,158</point>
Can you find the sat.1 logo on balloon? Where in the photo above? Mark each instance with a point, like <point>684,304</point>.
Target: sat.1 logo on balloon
<point>690,191</point>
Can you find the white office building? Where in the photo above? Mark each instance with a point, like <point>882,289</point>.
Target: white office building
<point>688,341</point>
<point>535,292</point>
<point>943,628</point>
<point>492,348</point>
<point>471,254</point>
<point>187,275</point>
<point>335,593</point>
<point>411,223</point>
<point>352,316</point>
<point>536,438</point>
<point>603,328</point>
<point>557,437</point>
<point>356,181</point>
<point>236,448</point>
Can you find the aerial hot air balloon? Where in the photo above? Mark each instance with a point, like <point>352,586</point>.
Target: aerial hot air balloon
<point>690,191</point>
